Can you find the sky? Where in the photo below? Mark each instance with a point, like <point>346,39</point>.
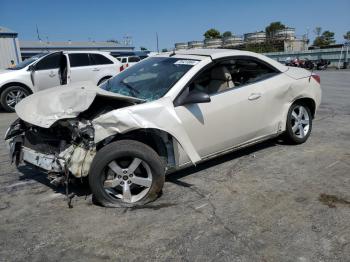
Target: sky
<point>174,21</point>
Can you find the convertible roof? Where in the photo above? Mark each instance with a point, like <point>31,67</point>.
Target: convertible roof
<point>220,53</point>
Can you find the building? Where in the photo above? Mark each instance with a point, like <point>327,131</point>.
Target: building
<point>284,39</point>
<point>9,48</point>
<point>30,48</point>
<point>256,37</point>
<point>196,44</point>
<point>233,41</point>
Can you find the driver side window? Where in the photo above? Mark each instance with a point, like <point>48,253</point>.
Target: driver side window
<point>232,73</point>
<point>49,62</point>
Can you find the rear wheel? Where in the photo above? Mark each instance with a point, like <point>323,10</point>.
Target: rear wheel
<point>11,96</point>
<point>299,123</point>
<point>126,173</point>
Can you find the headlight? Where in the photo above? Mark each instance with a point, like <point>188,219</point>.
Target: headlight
<point>15,129</point>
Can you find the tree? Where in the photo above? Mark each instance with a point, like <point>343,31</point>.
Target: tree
<point>164,50</point>
<point>227,34</point>
<point>143,48</point>
<point>212,33</point>
<point>325,39</point>
<point>271,29</point>
<point>347,36</point>
<point>318,31</point>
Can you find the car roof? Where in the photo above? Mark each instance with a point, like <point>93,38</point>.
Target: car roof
<point>222,53</point>
<point>88,52</point>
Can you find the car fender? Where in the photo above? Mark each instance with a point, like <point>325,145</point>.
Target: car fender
<point>159,114</point>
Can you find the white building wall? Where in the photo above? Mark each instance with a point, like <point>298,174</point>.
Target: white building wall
<point>9,50</point>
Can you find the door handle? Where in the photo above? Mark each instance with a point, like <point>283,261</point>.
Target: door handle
<point>52,74</point>
<point>254,96</point>
<point>96,69</point>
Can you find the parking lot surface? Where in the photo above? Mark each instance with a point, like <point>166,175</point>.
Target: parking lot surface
<point>269,202</point>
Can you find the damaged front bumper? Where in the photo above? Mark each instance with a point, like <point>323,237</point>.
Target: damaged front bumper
<point>74,158</point>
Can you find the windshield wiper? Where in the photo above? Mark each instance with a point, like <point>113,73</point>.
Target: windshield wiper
<point>131,88</point>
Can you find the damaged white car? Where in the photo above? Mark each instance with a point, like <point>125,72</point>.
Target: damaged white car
<point>164,113</point>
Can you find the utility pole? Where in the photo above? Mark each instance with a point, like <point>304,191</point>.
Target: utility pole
<point>37,33</point>
<point>157,42</point>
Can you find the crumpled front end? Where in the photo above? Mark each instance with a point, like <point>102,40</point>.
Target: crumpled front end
<point>67,146</point>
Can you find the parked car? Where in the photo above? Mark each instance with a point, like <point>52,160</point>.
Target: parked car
<point>165,113</point>
<point>53,69</point>
<point>128,61</point>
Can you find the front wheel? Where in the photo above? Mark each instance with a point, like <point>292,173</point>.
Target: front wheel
<point>299,123</point>
<point>11,96</point>
<point>126,173</point>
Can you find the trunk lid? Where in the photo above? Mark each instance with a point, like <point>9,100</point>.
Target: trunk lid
<point>297,72</point>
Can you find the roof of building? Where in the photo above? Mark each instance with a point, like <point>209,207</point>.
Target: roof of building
<point>7,31</point>
<point>70,44</point>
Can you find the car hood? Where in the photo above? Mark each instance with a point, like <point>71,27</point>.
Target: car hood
<point>46,107</point>
<point>8,72</point>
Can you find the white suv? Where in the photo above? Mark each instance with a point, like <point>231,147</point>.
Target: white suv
<point>128,61</point>
<point>54,69</point>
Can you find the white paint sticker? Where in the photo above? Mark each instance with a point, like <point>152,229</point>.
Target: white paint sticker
<point>186,62</point>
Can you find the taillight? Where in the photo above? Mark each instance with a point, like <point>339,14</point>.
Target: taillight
<point>121,68</point>
<point>316,77</point>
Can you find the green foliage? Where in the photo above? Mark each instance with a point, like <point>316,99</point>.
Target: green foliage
<point>227,34</point>
<point>266,47</point>
<point>327,38</point>
<point>143,48</point>
<point>273,28</point>
<point>164,50</point>
<point>318,31</point>
<point>212,33</point>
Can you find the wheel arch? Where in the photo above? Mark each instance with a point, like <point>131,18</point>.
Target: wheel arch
<point>3,87</point>
<point>159,140</point>
<point>309,102</point>
<point>103,78</point>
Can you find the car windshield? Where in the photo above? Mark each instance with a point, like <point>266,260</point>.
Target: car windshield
<point>149,79</point>
<point>26,62</point>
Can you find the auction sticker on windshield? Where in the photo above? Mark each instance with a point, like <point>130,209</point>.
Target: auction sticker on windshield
<point>186,62</point>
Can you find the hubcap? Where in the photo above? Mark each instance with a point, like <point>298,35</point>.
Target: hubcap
<point>128,180</point>
<point>300,121</point>
<point>14,97</point>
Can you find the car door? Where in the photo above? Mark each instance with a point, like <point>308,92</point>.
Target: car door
<point>45,73</point>
<point>81,69</point>
<point>103,66</point>
<point>234,116</point>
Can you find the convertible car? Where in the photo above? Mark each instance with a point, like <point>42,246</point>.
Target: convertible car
<point>165,113</point>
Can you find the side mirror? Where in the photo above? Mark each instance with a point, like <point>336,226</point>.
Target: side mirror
<point>31,68</point>
<point>193,97</point>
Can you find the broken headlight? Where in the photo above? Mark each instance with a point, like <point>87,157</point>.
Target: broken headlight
<point>15,129</point>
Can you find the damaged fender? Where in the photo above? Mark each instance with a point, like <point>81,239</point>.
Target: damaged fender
<point>159,114</point>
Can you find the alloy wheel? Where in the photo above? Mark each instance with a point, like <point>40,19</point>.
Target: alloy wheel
<point>14,97</point>
<point>128,180</point>
<point>300,121</point>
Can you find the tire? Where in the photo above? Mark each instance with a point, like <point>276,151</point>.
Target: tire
<point>17,93</point>
<point>299,123</point>
<point>117,178</point>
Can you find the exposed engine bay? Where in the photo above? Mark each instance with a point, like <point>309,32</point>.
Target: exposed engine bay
<point>68,145</point>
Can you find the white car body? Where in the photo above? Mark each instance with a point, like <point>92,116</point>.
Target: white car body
<point>243,113</point>
<point>128,61</point>
<point>37,80</point>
